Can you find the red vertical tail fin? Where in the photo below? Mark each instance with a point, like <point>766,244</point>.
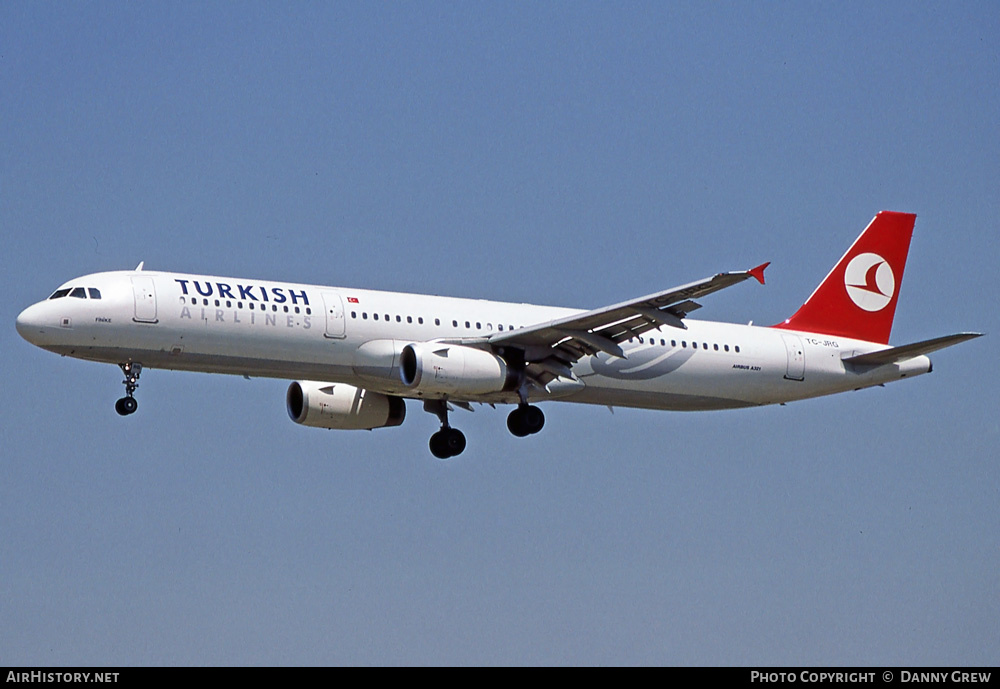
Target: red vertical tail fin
<point>858,298</point>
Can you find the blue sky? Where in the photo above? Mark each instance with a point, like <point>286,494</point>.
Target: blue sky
<point>573,154</point>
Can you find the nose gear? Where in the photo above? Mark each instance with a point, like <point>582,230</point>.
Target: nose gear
<point>128,404</point>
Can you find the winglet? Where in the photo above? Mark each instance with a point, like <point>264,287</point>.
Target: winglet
<point>758,272</point>
<point>139,267</point>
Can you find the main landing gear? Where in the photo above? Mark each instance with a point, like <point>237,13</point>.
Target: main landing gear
<point>127,404</point>
<point>525,420</point>
<point>447,442</point>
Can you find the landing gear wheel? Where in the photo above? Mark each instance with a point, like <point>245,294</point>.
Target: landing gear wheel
<point>515,423</point>
<point>448,442</point>
<point>438,447</point>
<point>126,406</point>
<point>525,420</point>
<point>534,419</point>
<point>455,440</point>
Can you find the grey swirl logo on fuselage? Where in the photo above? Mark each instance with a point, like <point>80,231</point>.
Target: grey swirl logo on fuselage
<point>643,363</point>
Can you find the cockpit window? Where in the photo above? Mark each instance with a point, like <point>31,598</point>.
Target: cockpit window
<point>94,292</point>
<point>59,293</point>
<point>79,293</point>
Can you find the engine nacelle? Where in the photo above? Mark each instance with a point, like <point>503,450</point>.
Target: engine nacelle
<point>446,369</point>
<point>343,407</point>
<point>377,360</point>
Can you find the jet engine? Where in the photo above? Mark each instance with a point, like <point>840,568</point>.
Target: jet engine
<point>341,406</point>
<point>446,369</point>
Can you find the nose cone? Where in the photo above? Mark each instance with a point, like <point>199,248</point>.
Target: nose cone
<point>30,324</point>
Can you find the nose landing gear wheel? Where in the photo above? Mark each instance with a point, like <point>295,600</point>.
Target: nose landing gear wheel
<point>126,406</point>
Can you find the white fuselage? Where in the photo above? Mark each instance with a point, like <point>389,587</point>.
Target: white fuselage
<point>353,336</point>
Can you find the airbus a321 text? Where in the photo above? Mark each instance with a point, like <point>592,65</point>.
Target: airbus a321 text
<point>355,355</point>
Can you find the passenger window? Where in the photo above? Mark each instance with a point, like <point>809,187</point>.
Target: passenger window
<point>375,316</point>
<point>437,321</point>
<point>420,320</point>
<point>501,327</point>
<point>79,293</point>
<point>737,349</point>
<point>409,319</point>
<point>94,292</point>
<point>399,319</point>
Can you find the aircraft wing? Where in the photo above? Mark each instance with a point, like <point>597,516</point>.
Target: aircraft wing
<point>550,348</point>
<point>894,355</point>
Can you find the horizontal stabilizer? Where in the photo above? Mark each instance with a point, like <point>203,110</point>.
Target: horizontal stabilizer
<point>893,355</point>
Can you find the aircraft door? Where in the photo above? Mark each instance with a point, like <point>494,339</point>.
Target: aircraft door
<point>336,326</point>
<point>145,300</point>
<point>796,367</point>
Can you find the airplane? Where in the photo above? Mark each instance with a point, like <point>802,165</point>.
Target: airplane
<point>355,355</point>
